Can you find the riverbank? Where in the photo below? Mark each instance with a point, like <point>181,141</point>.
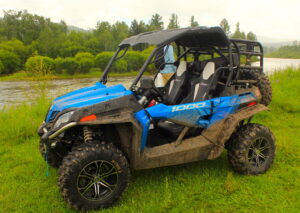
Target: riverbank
<point>208,186</point>
<point>23,76</point>
<point>270,65</point>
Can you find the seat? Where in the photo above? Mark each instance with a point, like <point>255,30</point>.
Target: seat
<point>176,87</point>
<point>200,89</point>
<point>201,85</point>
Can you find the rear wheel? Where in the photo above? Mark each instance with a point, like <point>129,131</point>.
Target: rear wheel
<point>252,150</point>
<point>93,176</point>
<point>263,84</point>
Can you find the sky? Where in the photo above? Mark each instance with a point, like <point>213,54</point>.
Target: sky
<point>273,20</point>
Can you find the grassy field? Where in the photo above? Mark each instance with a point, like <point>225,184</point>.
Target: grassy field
<point>23,76</point>
<point>208,186</point>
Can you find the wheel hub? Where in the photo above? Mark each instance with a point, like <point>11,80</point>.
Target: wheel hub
<point>97,180</point>
<point>258,152</point>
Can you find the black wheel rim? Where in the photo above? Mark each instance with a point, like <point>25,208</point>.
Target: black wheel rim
<point>97,180</point>
<point>259,152</point>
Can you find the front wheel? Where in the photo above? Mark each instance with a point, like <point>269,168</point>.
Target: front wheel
<point>252,149</point>
<point>93,176</point>
<point>50,156</point>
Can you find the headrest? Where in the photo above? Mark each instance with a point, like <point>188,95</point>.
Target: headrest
<point>181,68</point>
<point>209,69</point>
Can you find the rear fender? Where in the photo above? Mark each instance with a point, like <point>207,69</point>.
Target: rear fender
<point>221,131</point>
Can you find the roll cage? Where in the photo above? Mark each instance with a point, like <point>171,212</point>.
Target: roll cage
<point>197,41</point>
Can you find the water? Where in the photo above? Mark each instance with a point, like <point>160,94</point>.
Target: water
<point>14,92</point>
<point>273,64</point>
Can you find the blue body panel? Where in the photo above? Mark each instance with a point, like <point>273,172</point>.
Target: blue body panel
<point>87,96</point>
<point>144,119</point>
<point>202,114</point>
<point>192,113</point>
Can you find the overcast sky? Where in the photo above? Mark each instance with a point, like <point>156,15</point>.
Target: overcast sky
<point>277,19</point>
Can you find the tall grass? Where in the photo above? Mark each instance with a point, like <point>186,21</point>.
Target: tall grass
<point>208,186</point>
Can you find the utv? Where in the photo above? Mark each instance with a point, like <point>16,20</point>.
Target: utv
<point>97,134</point>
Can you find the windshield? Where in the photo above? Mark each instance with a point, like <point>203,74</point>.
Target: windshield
<point>148,60</point>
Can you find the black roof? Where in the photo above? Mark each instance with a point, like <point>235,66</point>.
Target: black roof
<point>189,37</point>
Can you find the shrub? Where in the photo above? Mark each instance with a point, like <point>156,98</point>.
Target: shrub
<point>82,55</point>
<point>85,64</point>
<point>85,60</point>
<point>134,60</point>
<point>119,66</point>
<point>11,61</point>
<point>148,50</point>
<point>70,65</point>
<point>102,59</point>
<point>41,65</point>
<point>16,47</point>
<point>1,67</point>
<point>58,65</point>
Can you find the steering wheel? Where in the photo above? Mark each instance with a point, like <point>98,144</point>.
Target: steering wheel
<point>148,94</point>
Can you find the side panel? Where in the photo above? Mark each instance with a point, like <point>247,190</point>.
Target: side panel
<point>209,145</point>
<point>202,114</point>
<point>144,120</point>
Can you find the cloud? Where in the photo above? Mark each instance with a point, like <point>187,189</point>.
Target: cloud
<point>272,18</point>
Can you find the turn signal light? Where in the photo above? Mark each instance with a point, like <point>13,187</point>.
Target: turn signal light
<point>88,118</point>
<point>251,104</point>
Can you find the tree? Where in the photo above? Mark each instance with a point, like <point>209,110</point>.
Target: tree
<point>11,61</point>
<point>119,31</point>
<point>225,26</point>
<point>17,47</point>
<point>173,24</point>
<point>104,35</point>
<point>193,22</point>
<point>50,42</point>
<point>26,27</point>
<point>238,33</point>
<point>156,23</point>
<point>295,43</point>
<point>251,36</point>
<point>137,27</point>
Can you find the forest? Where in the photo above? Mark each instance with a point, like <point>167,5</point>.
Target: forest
<point>288,51</point>
<point>36,45</point>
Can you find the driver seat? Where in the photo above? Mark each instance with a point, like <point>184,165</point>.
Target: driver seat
<point>177,85</point>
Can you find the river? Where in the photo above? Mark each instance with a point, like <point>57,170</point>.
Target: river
<point>15,92</point>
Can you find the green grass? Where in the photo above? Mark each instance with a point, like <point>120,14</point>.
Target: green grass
<point>207,186</point>
<point>23,76</point>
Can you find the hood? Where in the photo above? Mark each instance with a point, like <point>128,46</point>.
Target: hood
<point>85,97</point>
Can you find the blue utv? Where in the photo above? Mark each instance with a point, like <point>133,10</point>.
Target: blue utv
<point>97,134</point>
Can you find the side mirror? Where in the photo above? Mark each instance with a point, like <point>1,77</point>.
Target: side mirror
<point>146,83</point>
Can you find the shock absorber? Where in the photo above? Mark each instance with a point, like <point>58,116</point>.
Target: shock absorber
<point>87,134</point>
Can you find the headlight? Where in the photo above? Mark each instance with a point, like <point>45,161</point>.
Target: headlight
<point>64,118</point>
